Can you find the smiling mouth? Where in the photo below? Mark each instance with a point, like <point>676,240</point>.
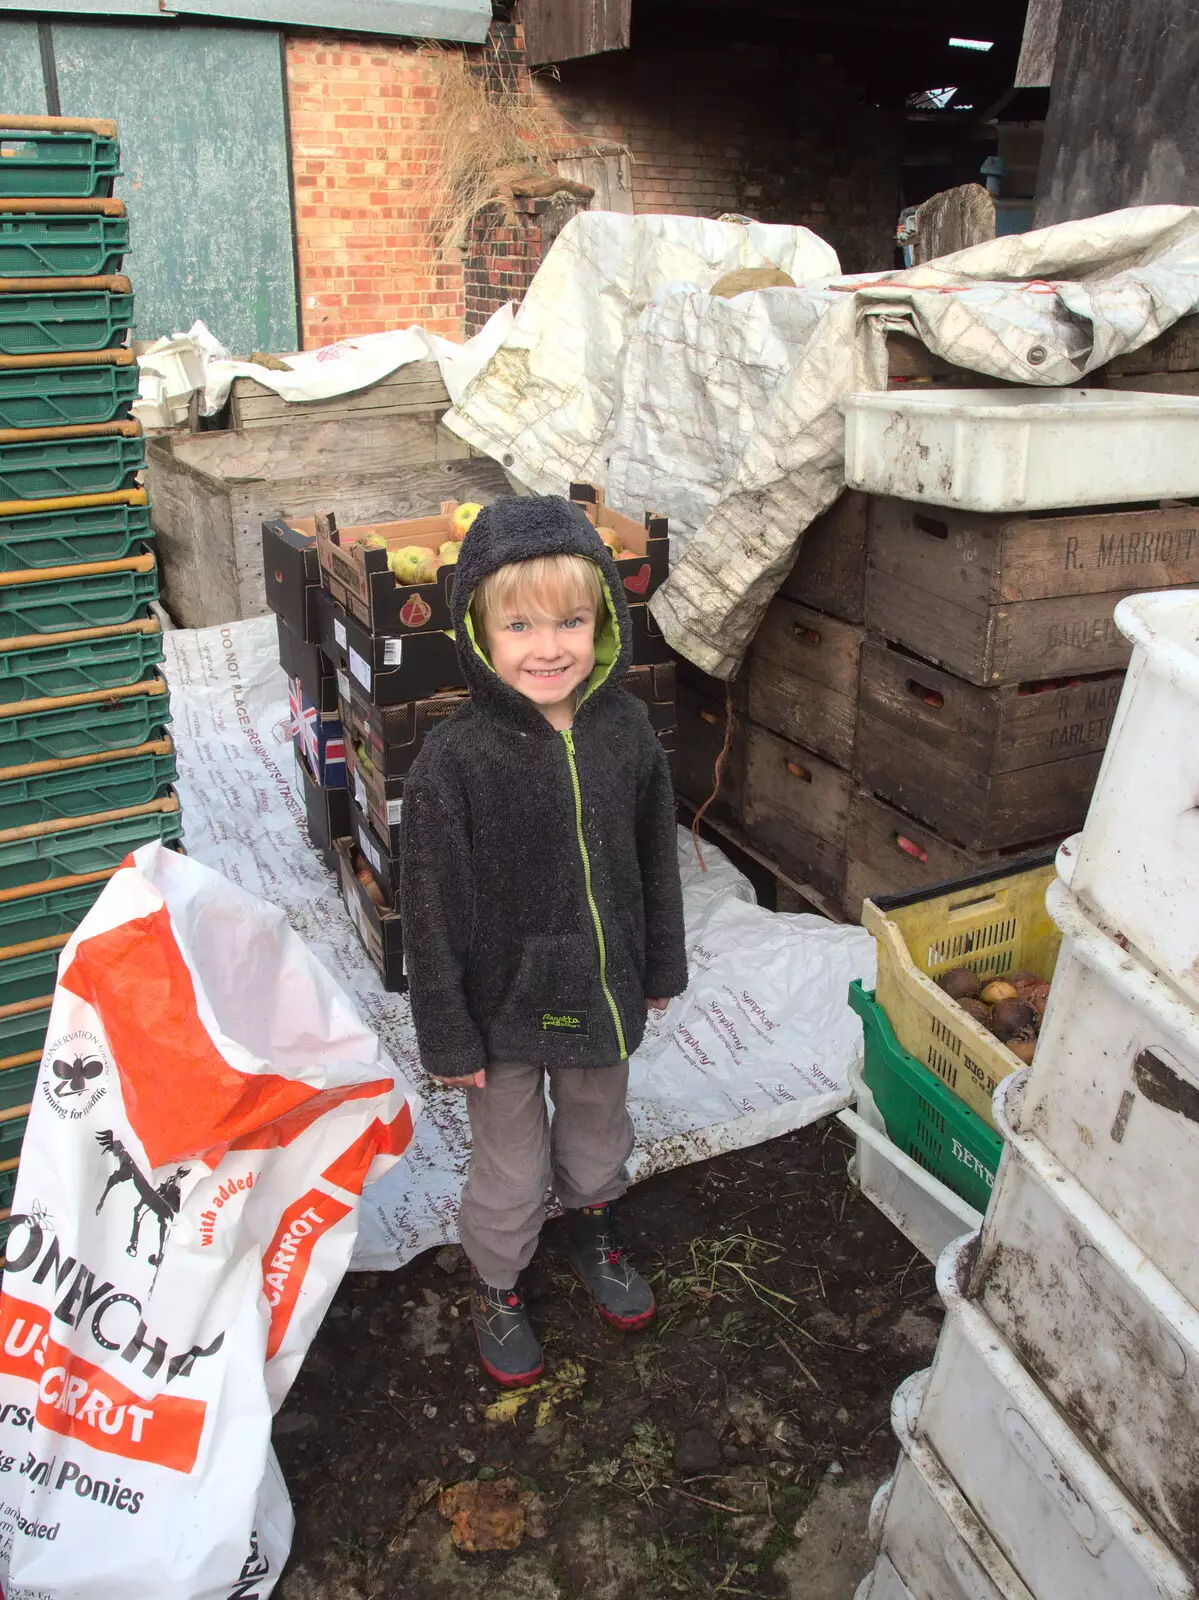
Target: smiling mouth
<point>554,672</point>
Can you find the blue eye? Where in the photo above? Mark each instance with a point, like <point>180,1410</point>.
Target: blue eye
<point>572,622</point>
<point>517,627</point>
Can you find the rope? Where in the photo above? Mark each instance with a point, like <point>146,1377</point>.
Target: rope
<point>717,774</point>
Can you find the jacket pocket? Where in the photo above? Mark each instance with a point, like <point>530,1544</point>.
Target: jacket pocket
<point>552,995</point>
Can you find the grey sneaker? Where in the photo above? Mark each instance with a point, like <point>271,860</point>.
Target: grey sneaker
<point>508,1347</point>
<point>622,1296</point>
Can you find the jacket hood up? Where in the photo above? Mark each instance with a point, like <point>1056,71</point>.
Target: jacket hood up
<point>518,529</point>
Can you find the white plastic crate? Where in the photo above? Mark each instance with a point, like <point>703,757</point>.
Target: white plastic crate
<point>925,1210</point>
<point>883,1583</point>
<point>931,1537</point>
<point>1065,1526</point>
<point>1103,1331</point>
<point>1136,865</point>
<point>1022,449</point>
<point>1114,1091</point>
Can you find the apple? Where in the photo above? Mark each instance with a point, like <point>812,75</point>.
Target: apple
<point>412,563</point>
<point>463,517</point>
<point>448,553</point>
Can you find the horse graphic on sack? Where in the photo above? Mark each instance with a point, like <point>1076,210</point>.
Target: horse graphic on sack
<point>162,1202</point>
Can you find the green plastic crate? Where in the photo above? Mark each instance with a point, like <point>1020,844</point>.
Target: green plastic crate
<point>16,1089</point>
<point>18,1036</point>
<point>68,246</point>
<point>63,665</point>
<point>28,976</point>
<point>86,786</point>
<point>46,913</point>
<point>60,605</point>
<point>75,319</point>
<point>53,397</point>
<point>67,537</point>
<point>44,162</point>
<point>71,851</point>
<point>71,728</point>
<point>78,464</point>
<point>12,1135</point>
<point>925,1119</point>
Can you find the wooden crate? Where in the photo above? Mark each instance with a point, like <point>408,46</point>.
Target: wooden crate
<point>1000,599</point>
<point>211,492</point>
<point>700,723</point>
<point>887,852</point>
<point>986,768</point>
<point>796,808</point>
<point>410,390</point>
<point>803,679</point>
<point>830,569</point>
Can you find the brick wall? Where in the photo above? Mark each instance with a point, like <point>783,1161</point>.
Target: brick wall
<point>736,130</point>
<point>503,251</point>
<point>363,120</point>
<point>777,138</point>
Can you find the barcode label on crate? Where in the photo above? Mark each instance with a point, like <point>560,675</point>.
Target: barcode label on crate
<point>360,669</point>
<point>359,793</point>
<point>343,686</point>
<point>393,813</point>
<point>393,652</point>
<point>339,632</point>
<point>369,851</point>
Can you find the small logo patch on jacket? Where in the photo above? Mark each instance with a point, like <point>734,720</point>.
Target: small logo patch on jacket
<point>564,1022</point>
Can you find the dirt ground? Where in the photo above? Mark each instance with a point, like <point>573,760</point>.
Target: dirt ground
<point>732,1449</point>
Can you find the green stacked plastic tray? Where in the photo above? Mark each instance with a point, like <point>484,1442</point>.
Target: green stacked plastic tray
<point>68,319</point>
<point>63,664</point>
<point>12,1135</point>
<point>74,245</point>
<point>57,396</point>
<point>29,976</point>
<point>62,605</point>
<point>42,161</point>
<point>46,913</point>
<point>88,784</point>
<point>20,1035</point>
<point>79,726</point>
<point>72,464</point>
<point>83,532</point>
<point>924,1118</point>
<point>72,850</point>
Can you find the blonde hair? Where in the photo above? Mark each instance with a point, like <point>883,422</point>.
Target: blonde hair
<point>543,586</point>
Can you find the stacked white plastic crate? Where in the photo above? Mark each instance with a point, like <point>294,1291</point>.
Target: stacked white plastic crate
<point>1052,1450</point>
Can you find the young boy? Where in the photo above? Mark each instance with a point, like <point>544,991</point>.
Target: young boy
<point>542,908</point>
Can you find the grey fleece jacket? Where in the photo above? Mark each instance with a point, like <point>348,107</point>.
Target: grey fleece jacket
<point>540,886</point>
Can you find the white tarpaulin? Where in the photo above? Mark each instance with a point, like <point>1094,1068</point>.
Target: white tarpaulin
<point>760,1044</point>
<point>726,415</point>
<point>333,369</point>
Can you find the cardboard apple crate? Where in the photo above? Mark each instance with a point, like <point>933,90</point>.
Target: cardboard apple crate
<point>309,665</point>
<point>1013,598</point>
<point>645,546</point>
<point>393,735</point>
<point>803,679</point>
<point>327,811</point>
<point>649,644</point>
<point>384,864</point>
<point>380,931</point>
<point>796,809</point>
<point>379,799</point>
<point>292,577</point>
<point>358,577</point>
<point>387,670</point>
<point>888,852</point>
<point>986,768</point>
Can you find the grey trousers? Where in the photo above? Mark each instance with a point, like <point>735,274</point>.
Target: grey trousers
<point>518,1153</point>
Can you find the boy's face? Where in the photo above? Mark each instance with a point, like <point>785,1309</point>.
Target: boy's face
<point>546,659</point>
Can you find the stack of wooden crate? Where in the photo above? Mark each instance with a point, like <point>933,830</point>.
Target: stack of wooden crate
<point>932,690</point>
<point>86,763</point>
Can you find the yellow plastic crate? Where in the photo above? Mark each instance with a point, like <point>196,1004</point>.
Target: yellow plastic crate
<point>992,921</point>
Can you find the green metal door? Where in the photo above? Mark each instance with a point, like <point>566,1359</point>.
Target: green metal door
<point>22,93</point>
<point>204,154</point>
